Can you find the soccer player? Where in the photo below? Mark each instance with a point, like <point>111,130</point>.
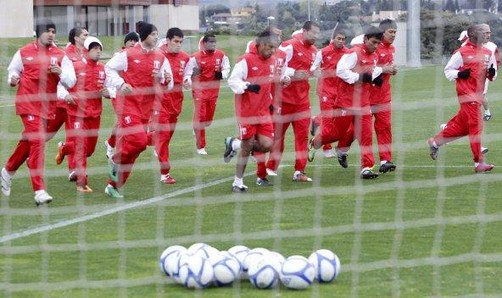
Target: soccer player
<point>143,69</point>
<point>251,81</point>
<point>469,66</point>
<point>357,71</point>
<point>206,68</point>
<point>84,109</point>
<point>325,64</point>
<point>165,115</point>
<point>36,69</point>
<point>294,106</point>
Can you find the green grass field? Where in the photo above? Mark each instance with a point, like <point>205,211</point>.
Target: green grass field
<point>432,228</point>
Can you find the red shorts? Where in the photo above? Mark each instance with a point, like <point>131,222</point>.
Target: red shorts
<point>249,131</point>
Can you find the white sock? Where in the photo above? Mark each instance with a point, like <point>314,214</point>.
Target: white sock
<point>236,144</point>
<point>487,112</point>
<point>238,181</point>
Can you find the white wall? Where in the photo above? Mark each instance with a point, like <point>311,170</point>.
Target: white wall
<point>17,19</point>
<point>186,17</point>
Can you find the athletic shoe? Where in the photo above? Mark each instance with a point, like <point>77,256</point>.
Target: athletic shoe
<point>483,167</point>
<point>202,151</point>
<point>434,152</point>
<point>342,158</point>
<point>109,150</point>
<point>167,179</point>
<point>328,153</point>
<point>263,182</point>
<point>113,192</point>
<point>301,177</point>
<point>42,197</point>
<point>239,188</point>
<point>113,171</point>
<point>60,156</point>
<point>367,173</point>
<point>6,182</point>
<point>387,167</point>
<point>313,126</point>
<point>72,177</point>
<point>487,117</point>
<point>484,150</point>
<point>229,151</point>
<point>271,172</point>
<point>311,152</point>
<point>84,189</point>
<point>442,126</point>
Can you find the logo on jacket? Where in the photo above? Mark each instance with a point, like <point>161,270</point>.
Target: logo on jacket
<point>101,75</point>
<point>137,61</point>
<point>54,60</point>
<point>156,64</point>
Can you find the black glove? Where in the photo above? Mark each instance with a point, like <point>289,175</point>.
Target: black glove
<point>254,88</point>
<point>218,75</point>
<point>271,108</point>
<point>464,74</point>
<point>196,71</point>
<point>491,71</point>
<point>378,81</point>
<point>366,77</point>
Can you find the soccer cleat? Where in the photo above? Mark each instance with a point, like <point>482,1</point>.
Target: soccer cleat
<point>42,197</point>
<point>72,177</point>
<point>6,182</point>
<point>301,177</point>
<point>328,153</point>
<point>109,150</point>
<point>239,188</point>
<point>167,179</point>
<point>113,192</point>
<point>60,156</point>
<point>487,117</point>
<point>229,151</point>
<point>484,150</point>
<point>387,167</point>
<point>313,126</point>
<point>271,172</point>
<point>483,167</point>
<point>202,151</point>
<point>434,152</point>
<point>342,158</point>
<point>84,189</point>
<point>113,171</point>
<point>367,173</point>
<point>263,182</point>
<point>311,152</point>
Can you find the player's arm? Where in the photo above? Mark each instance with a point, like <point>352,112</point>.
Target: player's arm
<point>15,69</point>
<point>345,66</point>
<point>237,80</point>
<point>189,71</point>
<point>451,70</point>
<point>64,95</point>
<point>315,68</point>
<point>167,74</point>
<point>67,76</point>
<point>288,71</point>
<point>225,67</point>
<point>112,68</point>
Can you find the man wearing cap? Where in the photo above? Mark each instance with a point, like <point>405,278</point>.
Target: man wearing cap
<point>84,109</point>
<point>36,69</point>
<point>167,110</point>
<point>139,75</point>
<point>204,71</point>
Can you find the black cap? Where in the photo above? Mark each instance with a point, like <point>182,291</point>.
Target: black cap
<point>43,25</point>
<point>145,30</point>
<point>131,36</point>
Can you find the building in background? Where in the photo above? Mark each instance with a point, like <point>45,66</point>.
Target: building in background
<point>100,17</point>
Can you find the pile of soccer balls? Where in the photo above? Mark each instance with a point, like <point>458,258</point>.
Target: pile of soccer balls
<point>202,265</point>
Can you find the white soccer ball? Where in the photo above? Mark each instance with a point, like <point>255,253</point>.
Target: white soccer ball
<point>174,264</point>
<point>202,249</point>
<point>240,252</point>
<point>263,273</point>
<point>253,255</point>
<point>171,252</point>
<point>326,265</point>
<point>226,268</point>
<point>297,273</point>
<point>197,272</point>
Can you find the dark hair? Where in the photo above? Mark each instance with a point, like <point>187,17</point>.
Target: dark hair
<point>338,30</point>
<point>373,31</point>
<point>76,31</point>
<point>206,37</point>
<point>94,44</point>
<point>309,24</point>
<point>266,37</point>
<point>131,36</point>
<point>139,24</point>
<point>174,31</point>
<point>43,25</point>
<point>387,24</point>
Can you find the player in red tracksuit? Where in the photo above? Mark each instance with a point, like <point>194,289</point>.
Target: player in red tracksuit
<point>325,64</point>
<point>75,51</point>
<point>36,68</point>
<point>469,66</point>
<point>203,73</point>
<point>143,68</point>
<point>84,109</point>
<point>294,106</point>
<point>251,81</point>
<point>357,72</point>
<point>165,114</point>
